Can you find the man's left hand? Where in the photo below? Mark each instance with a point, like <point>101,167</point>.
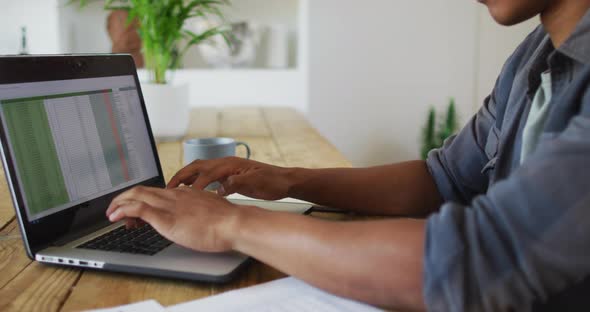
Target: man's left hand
<point>195,219</point>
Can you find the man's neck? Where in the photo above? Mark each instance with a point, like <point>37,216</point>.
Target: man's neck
<point>561,17</point>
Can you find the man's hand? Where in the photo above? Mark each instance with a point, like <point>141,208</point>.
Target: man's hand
<point>297,245</point>
<point>195,219</point>
<point>236,175</point>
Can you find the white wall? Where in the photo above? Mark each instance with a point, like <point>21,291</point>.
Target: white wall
<point>83,30</point>
<point>40,18</point>
<point>367,74</point>
<point>376,67</point>
<point>235,88</point>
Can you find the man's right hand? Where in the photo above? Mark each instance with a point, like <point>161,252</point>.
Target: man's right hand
<point>236,175</point>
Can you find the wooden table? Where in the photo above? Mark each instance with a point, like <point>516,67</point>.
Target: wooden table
<point>278,136</point>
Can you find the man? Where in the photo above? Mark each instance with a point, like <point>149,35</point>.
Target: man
<point>507,200</point>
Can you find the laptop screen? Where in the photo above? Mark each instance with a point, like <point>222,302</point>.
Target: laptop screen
<point>75,140</point>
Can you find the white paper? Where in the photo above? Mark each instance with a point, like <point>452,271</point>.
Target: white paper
<point>284,295</point>
<point>143,306</point>
<point>284,200</point>
<point>284,205</point>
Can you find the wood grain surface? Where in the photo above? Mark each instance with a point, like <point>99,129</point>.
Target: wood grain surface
<point>279,136</point>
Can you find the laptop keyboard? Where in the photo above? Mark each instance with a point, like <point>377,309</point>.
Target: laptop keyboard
<point>142,240</point>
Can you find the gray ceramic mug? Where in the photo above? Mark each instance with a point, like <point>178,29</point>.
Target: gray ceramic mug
<point>211,148</point>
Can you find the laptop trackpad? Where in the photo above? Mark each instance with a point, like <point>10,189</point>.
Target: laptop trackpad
<point>179,258</point>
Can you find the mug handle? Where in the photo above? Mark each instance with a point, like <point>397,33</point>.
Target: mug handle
<point>247,148</point>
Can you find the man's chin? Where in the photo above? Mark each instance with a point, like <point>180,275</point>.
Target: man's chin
<point>509,19</point>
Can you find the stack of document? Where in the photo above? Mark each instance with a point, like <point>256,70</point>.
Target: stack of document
<point>287,294</point>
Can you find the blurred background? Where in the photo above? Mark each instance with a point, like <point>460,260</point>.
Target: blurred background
<point>365,73</point>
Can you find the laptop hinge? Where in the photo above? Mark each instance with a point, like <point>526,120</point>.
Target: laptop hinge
<point>77,234</point>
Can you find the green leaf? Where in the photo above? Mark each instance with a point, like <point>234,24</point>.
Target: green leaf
<point>195,39</point>
<point>428,134</point>
<point>450,124</point>
<point>161,28</point>
<point>433,138</point>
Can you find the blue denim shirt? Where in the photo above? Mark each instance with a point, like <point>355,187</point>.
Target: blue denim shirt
<point>516,236</point>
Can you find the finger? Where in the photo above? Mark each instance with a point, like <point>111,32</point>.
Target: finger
<point>236,184</point>
<point>153,196</point>
<point>186,180</point>
<point>189,180</point>
<point>224,189</point>
<point>132,195</point>
<point>215,174</point>
<point>221,189</point>
<point>131,223</point>
<point>112,207</point>
<point>188,174</point>
<point>157,218</point>
<point>184,189</point>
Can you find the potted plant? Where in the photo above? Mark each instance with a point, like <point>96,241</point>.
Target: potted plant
<point>433,138</point>
<point>165,40</point>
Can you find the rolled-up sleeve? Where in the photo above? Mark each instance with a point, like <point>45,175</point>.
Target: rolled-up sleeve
<point>527,238</point>
<point>457,166</point>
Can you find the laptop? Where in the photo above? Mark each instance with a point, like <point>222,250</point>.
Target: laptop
<point>75,134</point>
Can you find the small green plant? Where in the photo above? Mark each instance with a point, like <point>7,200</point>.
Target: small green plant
<point>434,138</point>
<point>161,28</point>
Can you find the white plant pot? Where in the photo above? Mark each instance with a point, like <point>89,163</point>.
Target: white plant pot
<point>168,109</point>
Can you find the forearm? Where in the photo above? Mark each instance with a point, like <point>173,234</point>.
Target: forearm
<point>398,189</point>
<point>379,262</point>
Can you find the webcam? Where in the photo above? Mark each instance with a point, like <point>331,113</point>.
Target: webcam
<point>79,65</point>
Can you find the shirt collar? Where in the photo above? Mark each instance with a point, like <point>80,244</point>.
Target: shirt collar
<point>577,46</point>
<point>538,63</point>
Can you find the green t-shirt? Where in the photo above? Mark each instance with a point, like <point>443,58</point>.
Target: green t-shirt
<point>537,117</point>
